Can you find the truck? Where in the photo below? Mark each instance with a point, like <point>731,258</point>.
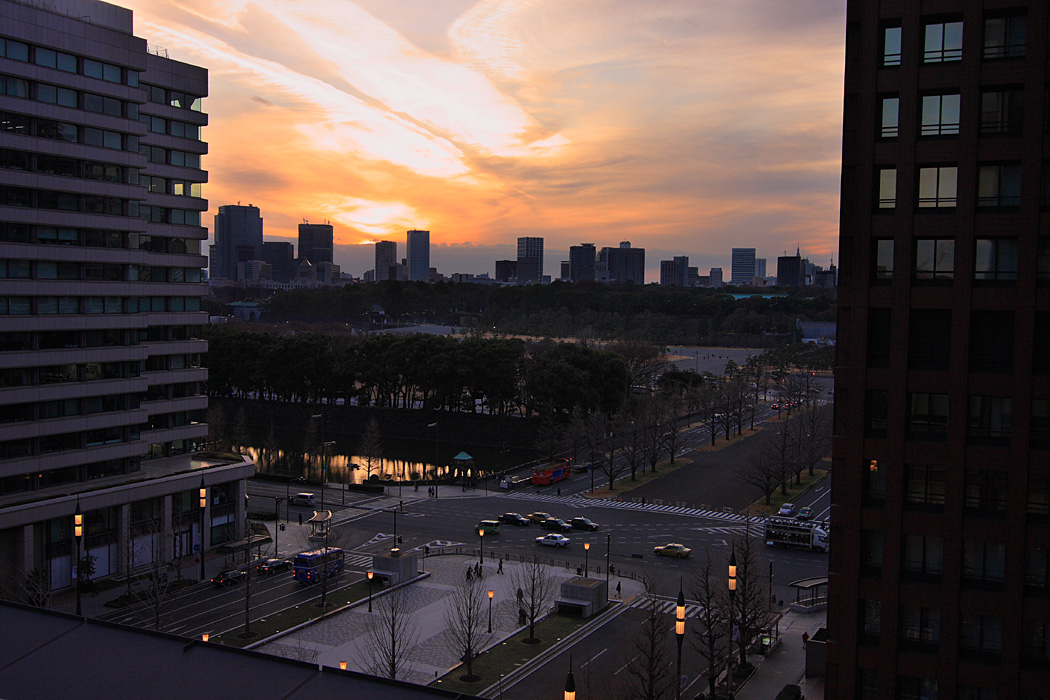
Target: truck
<point>552,473</point>
<point>787,532</point>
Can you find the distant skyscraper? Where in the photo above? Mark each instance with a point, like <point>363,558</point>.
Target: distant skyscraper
<point>582,262</point>
<point>675,273</point>
<point>789,270</point>
<point>530,259</point>
<point>316,243</point>
<point>238,238</point>
<point>623,264</point>
<point>281,257</point>
<point>506,270</point>
<point>743,266</point>
<point>418,252</point>
<point>760,268</point>
<point>386,256</point>
<point>716,277</point>
<point>565,270</point>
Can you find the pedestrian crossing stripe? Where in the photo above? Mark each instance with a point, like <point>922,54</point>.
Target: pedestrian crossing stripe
<point>627,505</point>
<point>666,607</point>
<point>358,561</point>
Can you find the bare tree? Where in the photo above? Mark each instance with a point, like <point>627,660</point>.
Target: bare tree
<point>751,595</point>
<point>761,469</point>
<point>651,668</point>
<point>632,442</point>
<point>814,436</point>
<point>218,428</point>
<point>652,421</point>
<point>465,622</point>
<point>370,448</point>
<point>606,442</point>
<point>674,408</point>
<point>710,636</point>
<point>536,588</point>
<point>241,435</point>
<point>37,588</point>
<point>389,636</point>
<point>644,360</point>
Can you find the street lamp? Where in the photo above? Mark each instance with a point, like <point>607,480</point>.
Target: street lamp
<point>679,631</point>
<point>435,427</point>
<point>608,562</point>
<point>732,605</point>
<point>586,566</point>
<point>481,547</point>
<point>370,575</point>
<point>78,534</point>
<point>287,498</point>
<point>277,524</point>
<point>203,504</point>
<point>570,683</point>
<point>491,593</point>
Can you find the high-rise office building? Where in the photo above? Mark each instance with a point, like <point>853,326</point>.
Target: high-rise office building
<point>418,256</point>
<point>760,268</point>
<point>317,243</point>
<point>743,266</point>
<point>530,259</point>
<point>506,270</point>
<point>675,273</point>
<point>281,257</point>
<point>238,238</point>
<point>101,383</point>
<point>716,277</point>
<point>582,262</point>
<point>940,516</point>
<point>789,270</point>
<point>622,264</point>
<point>386,258</point>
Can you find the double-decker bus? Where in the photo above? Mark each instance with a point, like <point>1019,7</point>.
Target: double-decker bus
<point>311,567</point>
<point>556,471</point>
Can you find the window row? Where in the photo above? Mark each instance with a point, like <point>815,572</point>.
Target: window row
<point>67,201</point>
<point>97,238</point>
<point>1002,112</point>
<point>96,272</point>
<point>179,188</point>
<point>29,447</point>
<point>59,60</point>
<point>171,127</point>
<point>171,156</point>
<point>56,477</point>
<point>67,97</point>
<point>64,408</point>
<point>61,374</point>
<point>23,341</point>
<point>177,419</point>
<point>46,305</point>
<point>998,186</point>
<point>171,215</point>
<point>172,98</point>
<point>988,418</point>
<point>933,260</point>
<point>70,133</point>
<point>1005,36</point>
<point>67,167</point>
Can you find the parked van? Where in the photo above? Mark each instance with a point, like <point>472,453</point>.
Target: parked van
<point>489,527</point>
<point>303,499</point>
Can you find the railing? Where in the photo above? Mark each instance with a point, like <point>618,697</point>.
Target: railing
<point>493,557</point>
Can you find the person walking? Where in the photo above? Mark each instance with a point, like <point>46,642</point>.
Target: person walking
<point>617,589</point>
<point>500,569</point>
<point>470,573</point>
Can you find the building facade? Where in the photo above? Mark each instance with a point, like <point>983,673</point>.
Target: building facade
<point>583,260</point>
<point>716,277</point>
<point>530,259</point>
<point>940,562</point>
<point>742,269</point>
<point>101,397</point>
<point>622,264</point>
<point>386,258</point>
<point>789,271</point>
<point>281,257</point>
<point>675,272</point>
<point>238,238</point>
<point>418,256</point>
<point>317,243</point>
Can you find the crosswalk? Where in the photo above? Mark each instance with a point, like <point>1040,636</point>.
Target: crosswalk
<point>666,606</point>
<point>627,505</point>
<point>358,561</point>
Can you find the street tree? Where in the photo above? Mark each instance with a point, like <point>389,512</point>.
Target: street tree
<point>632,444</point>
<point>536,587</point>
<point>751,601</point>
<point>674,409</point>
<point>370,448</point>
<point>711,633</point>
<point>814,436</point>
<point>760,468</point>
<point>465,623</point>
<point>389,636</point>
<point>652,419</point>
<point>651,667</point>
<point>606,447</point>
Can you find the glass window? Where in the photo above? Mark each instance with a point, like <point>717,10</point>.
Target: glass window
<point>16,50</point>
<point>920,625</point>
<point>887,188</point>
<point>45,57</point>
<point>924,485</point>
<point>938,186</point>
<point>890,117</point>
<point>891,46</point>
<point>1005,36</point>
<point>929,339</point>
<point>940,115</point>
<point>923,554</point>
<point>986,491</point>
<point>46,93</point>
<point>984,561</point>
<point>15,87</point>
<point>999,186</point>
<point>876,413</point>
<point>943,42</point>
<point>914,688</point>
<point>92,103</point>
<point>112,107</point>
<point>111,73</point>
<point>927,416</point>
<point>980,632</point>
<point>67,97</point>
<point>988,420</point>
<point>934,259</point>
<point>112,140</point>
<point>872,612</point>
<point>92,69</point>
<point>66,62</point>
<point>1002,112</point>
<point>996,259</point>
<point>991,341</point>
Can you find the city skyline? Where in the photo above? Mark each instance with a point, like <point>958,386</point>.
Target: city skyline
<point>486,121</point>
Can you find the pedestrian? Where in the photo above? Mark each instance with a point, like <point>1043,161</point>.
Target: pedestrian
<point>402,506</point>
<point>300,518</point>
<point>559,490</point>
<point>477,569</point>
<point>521,595</point>
<point>805,638</point>
<point>617,589</point>
<point>500,569</point>
<point>470,573</point>
<point>521,617</point>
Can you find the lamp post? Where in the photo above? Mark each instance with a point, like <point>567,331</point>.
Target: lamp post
<point>435,427</point>
<point>203,495</point>
<point>277,524</point>
<point>586,565</point>
<point>78,534</point>
<point>370,575</point>
<point>732,605</point>
<point>287,497</point>
<point>481,547</point>
<point>679,632</point>
<point>491,593</point>
<point>570,683</point>
<point>608,562</point>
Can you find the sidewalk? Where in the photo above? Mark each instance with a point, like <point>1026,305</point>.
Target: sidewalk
<point>787,663</point>
<point>341,637</point>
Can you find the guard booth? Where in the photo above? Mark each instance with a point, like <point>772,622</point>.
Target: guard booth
<point>768,633</point>
<point>461,464</point>
<point>320,523</point>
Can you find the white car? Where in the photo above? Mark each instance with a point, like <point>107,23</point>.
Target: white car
<point>553,540</point>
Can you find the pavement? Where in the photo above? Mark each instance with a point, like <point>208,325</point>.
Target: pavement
<point>786,664</point>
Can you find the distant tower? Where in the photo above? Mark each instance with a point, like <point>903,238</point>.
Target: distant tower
<point>530,259</point>
<point>743,266</point>
<point>716,277</point>
<point>238,238</point>
<point>386,256</point>
<point>316,243</point>
<point>582,262</point>
<point>418,251</point>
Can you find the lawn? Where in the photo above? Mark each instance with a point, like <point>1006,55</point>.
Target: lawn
<point>624,486</point>
<point>507,656</point>
<point>759,507</point>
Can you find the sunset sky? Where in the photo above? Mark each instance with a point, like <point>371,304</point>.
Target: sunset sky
<point>686,127</point>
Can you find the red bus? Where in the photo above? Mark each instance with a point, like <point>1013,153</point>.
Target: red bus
<point>552,473</point>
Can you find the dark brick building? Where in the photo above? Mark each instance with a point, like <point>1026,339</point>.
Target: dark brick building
<point>940,577</point>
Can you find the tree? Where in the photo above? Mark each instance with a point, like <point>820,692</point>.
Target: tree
<point>814,433</point>
<point>465,623</point>
<point>674,406</point>
<point>652,420</point>
<point>218,429</point>
<point>751,596</point>
<point>38,588</point>
<point>536,587</point>
<point>389,635</point>
<point>651,668</point>
<point>761,469</point>
<point>370,448</point>
<point>606,446</point>
<point>710,634</point>
<point>241,435</point>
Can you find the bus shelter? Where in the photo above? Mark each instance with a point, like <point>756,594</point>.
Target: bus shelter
<point>320,523</point>
<point>811,594</point>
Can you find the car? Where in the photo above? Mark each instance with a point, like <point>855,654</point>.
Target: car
<point>775,406</point>
<point>787,509</point>
<point>672,549</point>
<point>556,524</point>
<point>229,577</point>
<point>514,519</point>
<point>554,539</point>
<point>584,524</point>
<point>539,517</point>
<point>489,527</point>
<point>805,513</point>
<point>270,567</point>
